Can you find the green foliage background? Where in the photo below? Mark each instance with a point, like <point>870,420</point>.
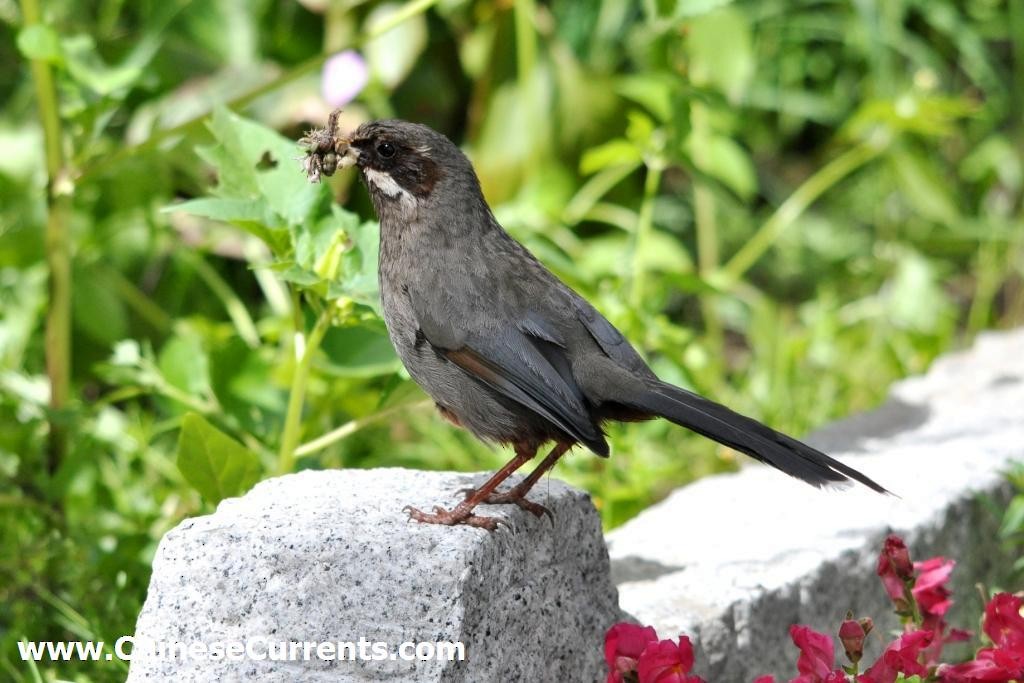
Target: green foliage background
<point>786,205</point>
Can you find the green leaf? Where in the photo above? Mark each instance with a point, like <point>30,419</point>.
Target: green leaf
<point>254,162</point>
<point>1013,518</point>
<point>728,162</point>
<point>359,351</point>
<point>393,54</point>
<point>227,210</point>
<point>23,300</point>
<point>242,379</point>
<point>87,67</point>
<point>663,252</point>
<point>996,156</point>
<point>40,42</point>
<point>96,307</point>
<point>639,128</point>
<point>296,275</point>
<point>359,269</point>
<point>915,299</point>
<point>314,241</point>
<point>721,51</point>
<point>212,462</point>
<point>911,112</point>
<point>928,194</point>
<point>251,215</point>
<point>328,257</point>
<point>651,91</point>
<point>693,8</point>
<point>611,153</point>
<point>184,364</point>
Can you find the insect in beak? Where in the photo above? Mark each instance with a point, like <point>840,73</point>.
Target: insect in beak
<point>326,151</point>
<point>347,154</point>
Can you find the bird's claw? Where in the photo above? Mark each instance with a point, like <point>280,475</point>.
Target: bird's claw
<point>453,517</point>
<point>536,509</point>
<point>510,498</point>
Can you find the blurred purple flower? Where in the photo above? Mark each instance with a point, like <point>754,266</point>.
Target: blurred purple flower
<point>345,75</point>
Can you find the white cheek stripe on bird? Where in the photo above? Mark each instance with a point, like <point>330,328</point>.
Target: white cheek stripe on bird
<point>385,183</point>
<point>388,186</point>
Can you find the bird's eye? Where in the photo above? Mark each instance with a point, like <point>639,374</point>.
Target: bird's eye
<point>386,150</point>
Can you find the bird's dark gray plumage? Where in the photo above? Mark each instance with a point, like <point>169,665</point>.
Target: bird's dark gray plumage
<point>505,348</point>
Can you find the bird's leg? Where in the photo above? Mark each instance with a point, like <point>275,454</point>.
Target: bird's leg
<point>517,494</point>
<point>463,512</point>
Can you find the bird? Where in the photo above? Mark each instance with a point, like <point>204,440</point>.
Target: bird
<point>506,349</point>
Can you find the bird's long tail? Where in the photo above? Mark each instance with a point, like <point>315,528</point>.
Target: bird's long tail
<point>744,434</point>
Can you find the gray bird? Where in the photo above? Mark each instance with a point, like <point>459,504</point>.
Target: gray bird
<point>503,347</point>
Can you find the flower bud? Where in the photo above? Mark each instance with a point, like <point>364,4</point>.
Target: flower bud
<point>897,555</point>
<point>851,634</point>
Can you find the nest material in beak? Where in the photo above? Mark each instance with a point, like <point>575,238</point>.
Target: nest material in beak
<point>326,150</point>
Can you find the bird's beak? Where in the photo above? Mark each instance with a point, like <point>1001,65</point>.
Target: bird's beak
<point>347,154</point>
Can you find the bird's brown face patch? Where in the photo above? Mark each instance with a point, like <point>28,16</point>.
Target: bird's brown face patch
<point>408,165</point>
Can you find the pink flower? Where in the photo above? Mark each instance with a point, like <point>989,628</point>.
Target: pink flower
<point>901,656</point>
<point>851,635</point>
<point>895,568</point>
<point>623,645</point>
<point>1004,623</point>
<point>933,600</point>
<point>667,662</point>
<point>817,653</point>
<point>1005,626</point>
<point>990,664</point>
<point>930,588</point>
<point>767,678</point>
<point>836,676</point>
<point>344,76</point>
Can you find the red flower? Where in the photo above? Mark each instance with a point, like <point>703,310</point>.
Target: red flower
<point>767,678</point>
<point>894,567</point>
<point>836,676</point>
<point>817,652</point>
<point>1005,626</point>
<point>901,656</point>
<point>933,600</point>
<point>1004,623</point>
<point>930,588</point>
<point>851,635</point>
<point>817,656</point>
<point>990,664</point>
<point>667,662</point>
<point>623,645</point>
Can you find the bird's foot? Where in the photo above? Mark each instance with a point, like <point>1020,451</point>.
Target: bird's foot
<point>460,514</point>
<point>513,497</point>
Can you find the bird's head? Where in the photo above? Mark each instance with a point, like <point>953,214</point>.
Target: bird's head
<point>404,164</point>
<point>412,171</point>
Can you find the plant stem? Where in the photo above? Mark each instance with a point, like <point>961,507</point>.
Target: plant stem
<point>1016,10</point>
<point>526,41</point>
<point>297,396</point>
<point>236,310</point>
<point>795,205</point>
<point>596,187</point>
<point>58,251</point>
<point>140,302</point>
<point>989,274</point>
<point>707,224</point>
<point>644,225</point>
<point>352,426</point>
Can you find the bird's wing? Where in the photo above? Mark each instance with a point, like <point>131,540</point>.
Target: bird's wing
<point>525,362</point>
<point>611,341</point>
